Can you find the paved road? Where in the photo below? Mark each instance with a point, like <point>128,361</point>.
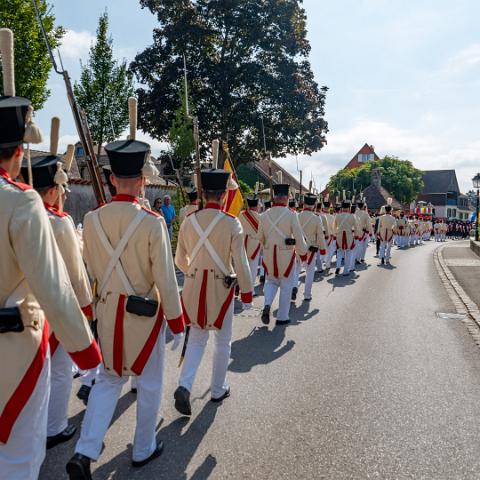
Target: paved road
<point>367,383</point>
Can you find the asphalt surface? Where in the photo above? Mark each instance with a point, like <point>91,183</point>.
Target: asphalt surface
<point>366,383</point>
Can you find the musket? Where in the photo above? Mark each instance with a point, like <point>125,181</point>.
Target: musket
<point>268,156</point>
<point>80,120</point>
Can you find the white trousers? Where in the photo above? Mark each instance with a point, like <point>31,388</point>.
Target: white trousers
<point>363,248</point>
<point>22,456</point>
<point>103,400</point>
<point>272,285</point>
<point>197,342</point>
<point>253,264</point>
<point>385,249</point>
<point>346,256</point>
<point>331,249</point>
<point>60,387</point>
<point>309,276</point>
<point>89,377</point>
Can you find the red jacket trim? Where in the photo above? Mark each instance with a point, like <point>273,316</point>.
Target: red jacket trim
<point>247,297</point>
<point>22,186</point>
<point>53,342</point>
<point>275,265</point>
<point>118,336</point>
<point>177,325</point>
<point>202,302</point>
<point>251,219</point>
<point>185,315</point>
<point>88,311</point>
<point>264,267</point>
<point>255,253</point>
<point>87,358</point>
<point>223,311</point>
<point>310,257</point>
<point>290,266</point>
<point>144,355</point>
<point>122,197</point>
<point>54,211</point>
<point>24,390</point>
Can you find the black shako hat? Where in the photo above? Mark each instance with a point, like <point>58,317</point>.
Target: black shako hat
<point>13,113</point>
<point>326,203</point>
<point>252,201</point>
<point>44,169</point>
<point>267,204</point>
<point>346,204</point>
<point>309,200</point>
<point>214,180</point>
<point>360,204</point>
<point>281,189</point>
<point>192,195</point>
<point>127,157</point>
<point>388,208</point>
<point>292,203</point>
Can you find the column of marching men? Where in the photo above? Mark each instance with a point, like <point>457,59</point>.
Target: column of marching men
<point>47,270</point>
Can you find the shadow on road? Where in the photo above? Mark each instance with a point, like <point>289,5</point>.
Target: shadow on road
<point>260,347</point>
<point>180,448</point>
<point>302,312</point>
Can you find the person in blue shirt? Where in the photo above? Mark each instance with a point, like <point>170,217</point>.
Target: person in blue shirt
<point>168,212</point>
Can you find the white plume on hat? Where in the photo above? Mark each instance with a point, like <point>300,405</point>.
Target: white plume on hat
<point>389,201</point>
<point>215,150</point>
<point>232,184</point>
<point>69,157</point>
<point>149,170</point>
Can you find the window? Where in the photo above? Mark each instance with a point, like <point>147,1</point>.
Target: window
<point>365,157</point>
<point>79,151</point>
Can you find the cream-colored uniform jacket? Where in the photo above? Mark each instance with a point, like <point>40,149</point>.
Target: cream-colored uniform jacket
<point>364,223</point>
<point>312,227</point>
<point>346,229</point>
<point>205,298</point>
<point>401,227</point>
<point>127,339</point>
<point>279,258</point>
<point>250,220</point>
<point>186,211</point>
<point>31,266</point>
<point>328,219</point>
<point>386,227</point>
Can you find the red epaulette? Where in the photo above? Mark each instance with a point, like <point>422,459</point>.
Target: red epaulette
<point>151,212</point>
<point>55,212</point>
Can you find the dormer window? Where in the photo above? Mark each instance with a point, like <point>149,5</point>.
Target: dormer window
<point>366,157</point>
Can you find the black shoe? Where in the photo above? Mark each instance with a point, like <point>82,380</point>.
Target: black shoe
<point>262,279</point>
<point>61,437</point>
<point>266,315</point>
<point>383,261</point>
<point>182,401</point>
<point>282,322</point>
<point>337,271</point>
<point>78,467</point>
<point>223,397</point>
<point>156,453</point>
<point>83,393</point>
<point>294,293</point>
<point>308,299</point>
<point>133,390</point>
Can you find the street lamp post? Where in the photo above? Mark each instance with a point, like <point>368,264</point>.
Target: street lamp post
<point>476,184</point>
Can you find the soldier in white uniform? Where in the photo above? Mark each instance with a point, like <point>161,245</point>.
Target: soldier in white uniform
<point>128,254</point>
<point>312,227</point>
<point>401,231</point>
<point>35,285</point>
<point>191,207</point>
<point>386,228</point>
<point>282,238</point>
<point>250,220</point>
<point>48,180</point>
<point>345,228</point>
<point>210,244</point>
<point>365,227</point>
<point>331,241</point>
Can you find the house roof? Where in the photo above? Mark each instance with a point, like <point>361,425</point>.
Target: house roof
<point>365,150</point>
<point>440,181</point>
<point>376,197</point>
<point>262,167</point>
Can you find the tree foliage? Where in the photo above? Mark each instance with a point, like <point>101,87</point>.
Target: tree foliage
<point>104,87</point>
<point>180,135</point>
<point>32,61</point>
<point>246,59</point>
<point>399,177</point>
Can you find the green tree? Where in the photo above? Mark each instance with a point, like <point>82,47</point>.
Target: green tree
<point>399,177</point>
<point>180,136</point>
<point>246,59</point>
<point>32,61</point>
<point>104,87</point>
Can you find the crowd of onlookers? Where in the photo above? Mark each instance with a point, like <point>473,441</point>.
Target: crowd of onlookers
<point>166,210</point>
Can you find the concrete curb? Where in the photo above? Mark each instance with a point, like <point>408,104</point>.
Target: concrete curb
<point>463,303</point>
<point>475,247</point>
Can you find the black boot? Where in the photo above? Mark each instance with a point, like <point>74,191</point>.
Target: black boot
<point>294,293</point>
<point>78,468</point>
<point>83,393</point>
<point>266,315</point>
<point>383,261</point>
<point>61,437</point>
<point>337,271</point>
<point>182,401</point>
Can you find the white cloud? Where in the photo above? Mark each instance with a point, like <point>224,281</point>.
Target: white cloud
<point>464,60</point>
<point>75,45</point>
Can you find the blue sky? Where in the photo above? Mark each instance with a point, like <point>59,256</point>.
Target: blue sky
<point>404,76</point>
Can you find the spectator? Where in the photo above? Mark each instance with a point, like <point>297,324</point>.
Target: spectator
<point>168,212</point>
<point>157,206</point>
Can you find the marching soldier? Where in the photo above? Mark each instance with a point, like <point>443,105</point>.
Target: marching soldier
<point>328,220</point>
<point>127,251</point>
<point>401,231</point>
<point>250,219</point>
<point>282,238</point>
<point>35,285</point>
<point>312,227</point>
<point>345,228</point>
<point>210,242</point>
<point>191,207</point>
<point>386,228</point>
<point>365,227</point>
<point>48,180</point>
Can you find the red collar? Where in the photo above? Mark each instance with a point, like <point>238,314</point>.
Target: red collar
<point>275,204</point>
<point>214,205</point>
<point>54,210</point>
<point>5,174</point>
<point>307,209</point>
<point>122,197</point>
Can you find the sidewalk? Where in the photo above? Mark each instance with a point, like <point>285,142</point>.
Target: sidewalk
<point>465,267</point>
